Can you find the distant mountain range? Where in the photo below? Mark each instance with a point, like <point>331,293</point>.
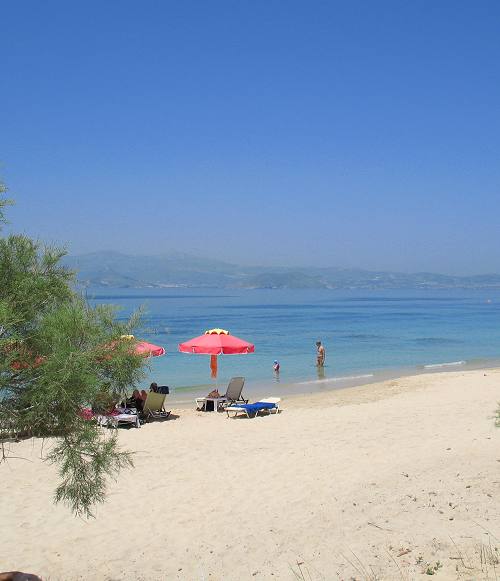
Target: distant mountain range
<point>175,269</point>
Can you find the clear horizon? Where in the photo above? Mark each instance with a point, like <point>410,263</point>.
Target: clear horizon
<point>327,134</point>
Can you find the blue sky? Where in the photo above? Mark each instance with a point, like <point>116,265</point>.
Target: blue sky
<point>357,134</point>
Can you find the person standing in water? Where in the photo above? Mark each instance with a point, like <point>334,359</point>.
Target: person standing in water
<point>320,354</point>
<point>276,370</point>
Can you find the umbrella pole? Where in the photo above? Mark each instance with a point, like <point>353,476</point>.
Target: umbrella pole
<point>213,368</point>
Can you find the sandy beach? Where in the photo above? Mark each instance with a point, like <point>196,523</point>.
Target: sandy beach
<point>385,481</point>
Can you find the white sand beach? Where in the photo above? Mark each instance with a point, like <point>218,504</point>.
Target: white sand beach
<point>374,482</point>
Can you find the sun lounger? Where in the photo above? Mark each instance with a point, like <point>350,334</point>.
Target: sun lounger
<point>268,405</point>
<point>232,395</point>
<point>118,418</point>
<point>154,407</point>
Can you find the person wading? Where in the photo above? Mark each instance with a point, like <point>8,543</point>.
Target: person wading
<point>320,354</point>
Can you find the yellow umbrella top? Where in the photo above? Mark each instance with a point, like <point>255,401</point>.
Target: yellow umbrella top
<point>216,332</point>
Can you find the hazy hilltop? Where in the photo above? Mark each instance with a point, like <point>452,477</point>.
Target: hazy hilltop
<point>177,269</point>
<point>114,269</point>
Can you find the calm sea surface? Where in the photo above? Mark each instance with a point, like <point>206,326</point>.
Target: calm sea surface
<point>371,334</point>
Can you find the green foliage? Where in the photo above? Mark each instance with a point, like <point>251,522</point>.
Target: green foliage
<point>57,355</point>
<point>3,202</point>
<point>85,459</point>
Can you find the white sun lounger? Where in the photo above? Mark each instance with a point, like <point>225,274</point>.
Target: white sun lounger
<point>113,421</point>
<point>249,409</point>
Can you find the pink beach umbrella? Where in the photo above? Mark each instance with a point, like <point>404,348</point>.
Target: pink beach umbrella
<point>145,348</point>
<point>216,342</point>
<point>148,349</point>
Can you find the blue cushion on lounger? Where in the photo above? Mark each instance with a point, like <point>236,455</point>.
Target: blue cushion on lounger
<point>257,406</point>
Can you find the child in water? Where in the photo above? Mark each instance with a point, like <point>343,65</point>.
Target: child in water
<point>276,366</point>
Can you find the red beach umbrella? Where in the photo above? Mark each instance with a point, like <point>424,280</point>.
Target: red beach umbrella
<point>18,365</point>
<point>144,348</point>
<point>148,349</point>
<point>216,342</point>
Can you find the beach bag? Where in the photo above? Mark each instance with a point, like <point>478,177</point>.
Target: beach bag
<point>210,405</point>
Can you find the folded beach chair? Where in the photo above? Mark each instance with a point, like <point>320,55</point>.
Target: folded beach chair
<point>232,395</point>
<point>154,407</point>
<point>268,404</point>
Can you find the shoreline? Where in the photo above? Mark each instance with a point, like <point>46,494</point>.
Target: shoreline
<point>388,479</point>
<point>350,394</point>
<point>257,388</point>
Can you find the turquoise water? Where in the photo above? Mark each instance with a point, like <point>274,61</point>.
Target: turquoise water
<point>365,333</point>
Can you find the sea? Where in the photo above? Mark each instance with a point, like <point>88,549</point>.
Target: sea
<point>368,335</point>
